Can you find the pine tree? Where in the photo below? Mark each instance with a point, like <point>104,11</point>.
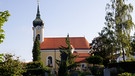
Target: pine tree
<point>36,50</point>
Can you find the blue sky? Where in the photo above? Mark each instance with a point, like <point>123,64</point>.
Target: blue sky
<point>83,18</point>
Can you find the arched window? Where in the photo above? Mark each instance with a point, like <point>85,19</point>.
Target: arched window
<point>82,65</point>
<point>50,61</point>
<point>38,36</point>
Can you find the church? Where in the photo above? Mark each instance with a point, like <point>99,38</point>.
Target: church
<point>49,46</point>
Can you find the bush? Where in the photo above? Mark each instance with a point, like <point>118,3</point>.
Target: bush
<point>95,60</point>
<point>97,70</point>
<point>80,73</point>
<point>35,68</point>
<point>125,74</point>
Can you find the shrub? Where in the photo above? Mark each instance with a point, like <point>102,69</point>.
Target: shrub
<point>97,70</point>
<point>95,60</point>
<point>35,68</point>
<point>125,74</point>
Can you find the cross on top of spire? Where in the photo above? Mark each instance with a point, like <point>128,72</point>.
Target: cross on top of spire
<point>37,2</point>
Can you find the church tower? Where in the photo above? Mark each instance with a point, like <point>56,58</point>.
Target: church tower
<point>38,27</point>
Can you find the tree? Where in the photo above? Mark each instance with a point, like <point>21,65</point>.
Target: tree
<point>115,36</point>
<point>36,50</point>
<point>123,25</point>
<point>3,18</point>
<point>67,59</point>
<point>36,67</point>
<point>102,46</point>
<point>11,66</point>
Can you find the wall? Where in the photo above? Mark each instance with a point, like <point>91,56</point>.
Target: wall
<point>55,54</point>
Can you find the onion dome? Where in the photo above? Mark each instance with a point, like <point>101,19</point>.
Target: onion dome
<point>38,21</point>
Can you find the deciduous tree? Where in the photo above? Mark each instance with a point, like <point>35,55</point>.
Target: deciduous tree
<point>3,18</point>
<point>115,36</point>
<point>123,25</point>
<point>11,66</point>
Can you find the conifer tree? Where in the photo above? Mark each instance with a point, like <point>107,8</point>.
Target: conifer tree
<point>36,50</point>
<point>67,59</point>
<point>36,67</point>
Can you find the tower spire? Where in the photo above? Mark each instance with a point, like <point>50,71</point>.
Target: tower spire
<point>38,21</point>
<point>38,26</point>
<point>38,12</point>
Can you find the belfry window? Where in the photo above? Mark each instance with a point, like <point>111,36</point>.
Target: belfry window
<point>50,61</point>
<point>38,36</point>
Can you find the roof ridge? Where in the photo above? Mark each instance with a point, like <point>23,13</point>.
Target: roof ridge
<point>55,42</point>
<point>65,37</point>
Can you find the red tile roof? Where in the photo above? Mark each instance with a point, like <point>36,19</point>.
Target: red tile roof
<point>84,54</point>
<point>56,42</point>
<point>78,60</point>
<point>81,57</point>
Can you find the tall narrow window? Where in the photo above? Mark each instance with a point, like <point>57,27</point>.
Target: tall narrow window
<point>50,61</point>
<point>38,36</point>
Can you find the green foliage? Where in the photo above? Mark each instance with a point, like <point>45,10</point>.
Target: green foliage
<point>79,73</point>
<point>3,18</point>
<point>95,60</point>
<point>67,59</point>
<point>35,68</point>
<point>115,36</point>
<point>125,74</point>
<point>1,57</point>
<point>133,45</point>
<point>123,25</point>
<point>35,64</point>
<point>104,45</point>
<point>11,66</point>
<point>36,50</point>
<point>97,70</point>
